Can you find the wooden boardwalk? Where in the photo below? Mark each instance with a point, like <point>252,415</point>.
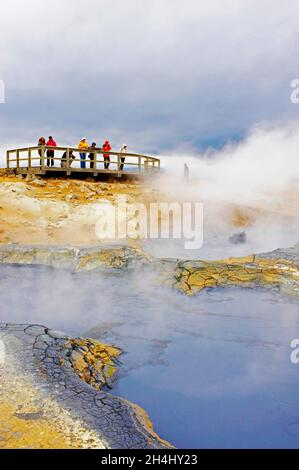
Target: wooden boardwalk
<point>33,160</point>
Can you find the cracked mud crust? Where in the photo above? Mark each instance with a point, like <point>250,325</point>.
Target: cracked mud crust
<point>279,268</point>
<point>94,362</point>
<point>52,394</point>
<point>192,277</point>
<point>72,258</point>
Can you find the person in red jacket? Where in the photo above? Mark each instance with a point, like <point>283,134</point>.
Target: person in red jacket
<point>106,148</point>
<point>50,153</point>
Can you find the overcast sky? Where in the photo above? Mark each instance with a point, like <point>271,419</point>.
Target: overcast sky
<point>158,74</point>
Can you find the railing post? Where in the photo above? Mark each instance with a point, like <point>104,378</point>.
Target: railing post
<point>95,159</point>
<point>94,162</point>
<point>29,158</point>
<point>18,159</point>
<point>139,163</point>
<point>68,171</point>
<point>42,158</point>
<point>118,166</point>
<point>7,159</point>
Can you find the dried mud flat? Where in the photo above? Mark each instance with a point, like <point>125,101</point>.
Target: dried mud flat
<point>46,401</point>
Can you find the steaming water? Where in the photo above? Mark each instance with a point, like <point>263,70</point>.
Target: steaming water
<point>217,246</point>
<point>212,371</point>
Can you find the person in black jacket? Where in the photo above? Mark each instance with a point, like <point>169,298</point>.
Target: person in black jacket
<point>63,159</point>
<point>93,156</point>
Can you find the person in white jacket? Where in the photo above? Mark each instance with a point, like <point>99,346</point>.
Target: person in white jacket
<point>122,151</point>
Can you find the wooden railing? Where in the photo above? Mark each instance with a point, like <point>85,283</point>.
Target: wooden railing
<point>36,160</point>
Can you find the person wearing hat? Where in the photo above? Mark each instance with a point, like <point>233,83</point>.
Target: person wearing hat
<point>83,145</point>
<point>122,152</point>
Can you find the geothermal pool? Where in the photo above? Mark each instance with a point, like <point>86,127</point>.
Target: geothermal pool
<point>212,371</point>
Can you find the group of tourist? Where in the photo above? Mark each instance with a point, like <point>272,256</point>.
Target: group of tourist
<point>84,148</point>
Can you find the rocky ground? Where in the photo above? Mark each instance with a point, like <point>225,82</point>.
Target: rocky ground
<point>52,394</point>
<point>53,210</point>
<point>279,268</point>
<point>56,211</point>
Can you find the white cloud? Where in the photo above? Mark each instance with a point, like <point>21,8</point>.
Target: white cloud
<point>163,69</point>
